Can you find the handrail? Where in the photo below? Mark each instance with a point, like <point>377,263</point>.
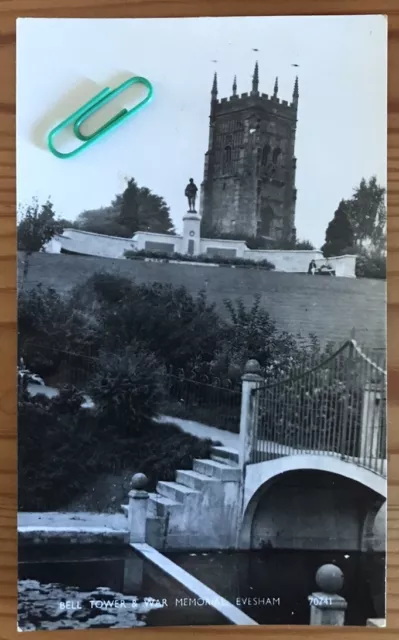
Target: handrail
<point>348,343</point>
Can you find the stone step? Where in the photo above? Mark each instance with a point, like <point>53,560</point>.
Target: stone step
<point>227,453</point>
<point>175,491</point>
<point>222,461</point>
<point>194,479</point>
<point>159,505</point>
<point>218,470</point>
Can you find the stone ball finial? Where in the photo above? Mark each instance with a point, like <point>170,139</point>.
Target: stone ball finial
<point>330,578</point>
<point>252,366</point>
<point>139,481</point>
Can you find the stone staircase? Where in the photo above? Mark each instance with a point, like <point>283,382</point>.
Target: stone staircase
<point>192,511</point>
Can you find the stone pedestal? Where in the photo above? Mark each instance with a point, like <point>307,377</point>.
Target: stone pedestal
<point>251,380</point>
<point>191,234</point>
<point>137,513</point>
<point>326,606</point>
<point>327,609</point>
<point>137,518</point>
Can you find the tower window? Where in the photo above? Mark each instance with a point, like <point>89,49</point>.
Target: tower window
<point>276,155</point>
<point>227,158</point>
<point>265,154</point>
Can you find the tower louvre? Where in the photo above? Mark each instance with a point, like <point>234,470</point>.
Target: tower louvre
<point>248,187</point>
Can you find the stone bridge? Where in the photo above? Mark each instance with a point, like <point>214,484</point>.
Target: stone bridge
<point>308,472</point>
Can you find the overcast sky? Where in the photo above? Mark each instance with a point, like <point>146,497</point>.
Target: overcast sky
<point>341,134</point>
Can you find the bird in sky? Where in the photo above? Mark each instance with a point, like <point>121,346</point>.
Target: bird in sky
<point>255,49</point>
<point>214,61</point>
<point>295,65</point>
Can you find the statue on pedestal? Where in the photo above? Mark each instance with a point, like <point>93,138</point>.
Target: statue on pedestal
<point>191,194</point>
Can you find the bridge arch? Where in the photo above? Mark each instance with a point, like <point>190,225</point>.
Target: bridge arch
<point>290,501</point>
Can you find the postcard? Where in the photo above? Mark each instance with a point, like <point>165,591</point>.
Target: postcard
<point>201,217</point>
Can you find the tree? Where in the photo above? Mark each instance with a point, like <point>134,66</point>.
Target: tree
<point>371,264</point>
<point>103,221</point>
<point>339,234</point>
<point>367,214</point>
<point>51,326</point>
<point>141,210</point>
<point>304,245</point>
<point>127,388</point>
<point>37,226</point>
<point>136,209</point>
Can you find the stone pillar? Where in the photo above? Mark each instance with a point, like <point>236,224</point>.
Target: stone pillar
<point>371,423</point>
<point>137,513</point>
<point>191,234</point>
<point>251,380</point>
<point>326,606</point>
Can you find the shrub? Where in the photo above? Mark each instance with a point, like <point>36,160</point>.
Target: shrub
<point>257,242</point>
<point>168,321</point>
<point>49,326</point>
<point>251,333</point>
<point>371,266</point>
<point>102,289</point>
<point>57,450</point>
<point>63,449</point>
<point>216,259</point>
<point>126,389</point>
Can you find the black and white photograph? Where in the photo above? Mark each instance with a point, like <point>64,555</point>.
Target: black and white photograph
<point>201,365</point>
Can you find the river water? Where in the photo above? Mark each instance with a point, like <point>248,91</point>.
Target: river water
<point>270,586</point>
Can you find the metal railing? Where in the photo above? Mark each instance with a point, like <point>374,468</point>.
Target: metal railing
<point>204,399</point>
<point>334,407</point>
<point>207,400</point>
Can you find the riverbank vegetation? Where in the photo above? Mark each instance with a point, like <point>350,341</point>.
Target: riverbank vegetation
<point>120,354</point>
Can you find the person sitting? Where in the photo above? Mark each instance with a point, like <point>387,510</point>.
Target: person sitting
<point>312,268</point>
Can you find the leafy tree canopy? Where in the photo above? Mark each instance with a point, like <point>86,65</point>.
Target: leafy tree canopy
<point>136,209</point>
<point>339,234</point>
<point>37,225</point>
<point>367,214</point>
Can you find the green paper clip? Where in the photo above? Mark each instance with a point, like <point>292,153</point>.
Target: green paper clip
<point>80,116</point>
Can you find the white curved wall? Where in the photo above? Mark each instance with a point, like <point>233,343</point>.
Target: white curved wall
<point>259,474</point>
<point>311,511</point>
<point>94,244</point>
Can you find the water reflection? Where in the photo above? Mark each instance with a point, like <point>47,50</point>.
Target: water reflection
<point>78,588</point>
<point>272,586</point>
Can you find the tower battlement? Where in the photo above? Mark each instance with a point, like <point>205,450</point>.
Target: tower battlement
<point>262,100</point>
<point>255,99</point>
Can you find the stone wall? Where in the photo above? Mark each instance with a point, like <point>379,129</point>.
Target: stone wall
<point>326,306</point>
<point>93,244</point>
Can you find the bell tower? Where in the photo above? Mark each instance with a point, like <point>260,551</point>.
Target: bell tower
<point>248,188</point>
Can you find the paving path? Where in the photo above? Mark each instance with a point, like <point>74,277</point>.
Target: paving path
<point>73,522</point>
<point>200,430</point>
